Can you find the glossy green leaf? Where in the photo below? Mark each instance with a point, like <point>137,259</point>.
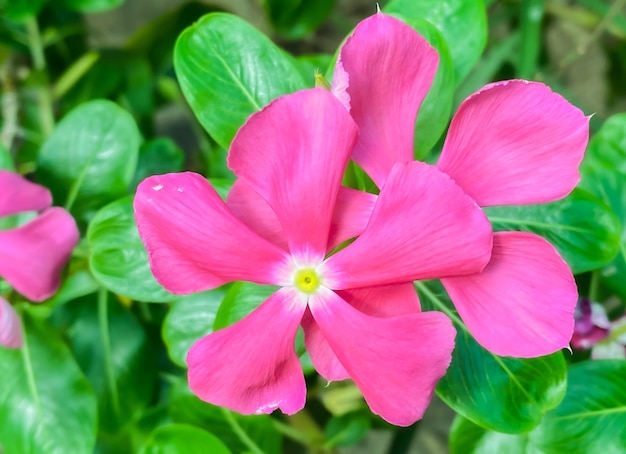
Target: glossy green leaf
<point>462,23</point>
<point>501,393</point>
<point>118,257</point>
<point>469,438</point>
<point>239,433</point>
<point>504,394</point>
<point>592,417</point>
<point>604,174</point>
<point>190,318</point>
<point>228,70</point>
<point>582,227</point>
<point>179,438</point>
<point>46,403</point>
<point>156,157</point>
<point>297,18</point>
<point>113,350</point>
<point>91,6</point>
<point>90,158</point>
<point>241,299</point>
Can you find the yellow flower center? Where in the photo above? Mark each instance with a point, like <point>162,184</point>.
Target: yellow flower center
<point>307,280</point>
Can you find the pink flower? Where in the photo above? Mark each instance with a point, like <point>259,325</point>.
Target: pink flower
<point>10,326</point>
<point>286,212</point>
<point>32,255</point>
<point>513,142</point>
<point>594,330</point>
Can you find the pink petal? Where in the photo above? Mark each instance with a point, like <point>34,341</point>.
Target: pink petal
<point>193,240</point>
<point>11,335</point>
<point>33,255</point>
<point>390,69</point>
<point>352,213</point>
<point>253,210</point>
<point>422,227</point>
<point>251,366</point>
<point>293,153</point>
<point>515,142</point>
<point>523,302</point>
<point>341,82</point>
<point>17,194</point>
<point>395,361</point>
<point>384,301</point>
<point>322,356</point>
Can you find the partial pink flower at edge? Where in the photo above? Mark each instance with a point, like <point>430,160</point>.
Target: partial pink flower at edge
<point>293,154</point>
<point>11,335</point>
<point>594,330</point>
<point>513,142</point>
<point>33,255</point>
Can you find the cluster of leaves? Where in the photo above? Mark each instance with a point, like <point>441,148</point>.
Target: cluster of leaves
<point>102,366</point>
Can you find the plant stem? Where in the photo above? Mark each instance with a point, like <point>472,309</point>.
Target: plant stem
<point>532,14</point>
<point>243,436</point>
<point>594,286</point>
<point>441,305</point>
<point>30,375</point>
<point>44,97</point>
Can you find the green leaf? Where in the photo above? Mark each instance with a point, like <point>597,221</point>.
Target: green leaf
<point>20,10</point>
<point>501,393</point>
<point>178,438</point>
<point>6,161</point>
<point>297,18</point>
<point>434,113</point>
<point>469,438</point>
<point>156,157</point>
<point>237,432</point>
<point>604,174</point>
<point>118,257</point>
<point>190,318</point>
<point>228,70</point>
<point>46,404</point>
<point>347,429</point>
<point>241,299</point>
<point>582,228</point>
<point>90,158</point>
<point>462,23</point>
<point>592,417</point>
<point>91,6</point>
<point>78,284</point>
<point>137,96</point>
<point>112,349</point>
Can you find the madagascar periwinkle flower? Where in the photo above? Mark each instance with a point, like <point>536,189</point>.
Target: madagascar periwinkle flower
<point>281,221</point>
<point>33,254</point>
<point>511,143</point>
<point>594,331</point>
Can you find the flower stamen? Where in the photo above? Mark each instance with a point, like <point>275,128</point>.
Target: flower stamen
<point>307,280</point>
